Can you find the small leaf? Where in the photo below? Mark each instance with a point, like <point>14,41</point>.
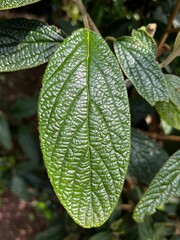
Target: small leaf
<point>26,43</point>
<point>165,185</point>
<point>173,83</point>
<point>6,4</point>
<point>5,134</point>
<point>137,59</point>
<point>146,157</point>
<point>170,113</point>
<point>85,127</point>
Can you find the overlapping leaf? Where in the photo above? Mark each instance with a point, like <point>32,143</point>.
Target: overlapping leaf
<point>8,4</point>
<point>165,185</point>
<point>170,113</point>
<point>26,43</point>
<point>146,157</point>
<point>85,127</point>
<point>136,56</point>
<point>173,83</point>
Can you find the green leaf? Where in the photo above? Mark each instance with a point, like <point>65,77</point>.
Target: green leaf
<point>170,113</point>
<point>177,45</point>
<point>102,236</point>
<point>5,134</point>
<point>173,83</point>
<point>147,157</point>
<point>137,59</point>
<point>6,4</point>
<point>146,40</point>
<point>165,185</point>
<point>85,127</point>
<point>26,43</point>
<point>24,107</point>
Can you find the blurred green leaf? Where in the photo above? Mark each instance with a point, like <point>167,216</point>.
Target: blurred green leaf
<point>177,45</point>
<point>19,186</point>
<point>24,107</point>
<point>6,4</point>
<point>5,134</point>
<point>137,60</point>
<point>165,185</point>
<point>145,229</point>
<point>29,143</point>
<point>147,157</point>
<point>56,232</point>
<point>101,236</point>
<point>170,113</point>
<point>26,43</point>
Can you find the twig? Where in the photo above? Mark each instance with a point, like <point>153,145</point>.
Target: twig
<point>87,20</point>
<point>162,137</point>
<point>169,24</point>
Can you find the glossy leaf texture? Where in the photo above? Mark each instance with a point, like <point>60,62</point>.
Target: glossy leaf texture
<point>85,127</point>
<point>136,56</point>
<point>8,4</point>
<point>170,113</point>
<point>145,39</point>
<point>165,185</point>
<point>173,83</point>
<point>26,43</point>
<point>147,157</point>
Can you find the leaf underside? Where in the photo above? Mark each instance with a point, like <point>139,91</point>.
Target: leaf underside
<point>165,185</point>
<point>85,127</point>
<point>26,43</point>
<point>8,4</point>
<point>136,56</point>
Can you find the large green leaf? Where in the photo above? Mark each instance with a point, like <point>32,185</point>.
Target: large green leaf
<point>136,56</point>
<point>173,83</point>
<point>170,113</point>
<point>26,43</point>
<point>147,157</point>
<point>165,185</point>
<point>6,4</point>
<point>85,127</point>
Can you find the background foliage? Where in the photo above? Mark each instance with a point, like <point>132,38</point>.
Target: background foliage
<point>21,165</point>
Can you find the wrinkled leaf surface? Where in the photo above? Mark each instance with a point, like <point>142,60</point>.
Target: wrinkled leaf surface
<point>8,4</point>
<point>136,56</point>
<point>165,185</point>
<point>26,43</point>
<point>84,127</point>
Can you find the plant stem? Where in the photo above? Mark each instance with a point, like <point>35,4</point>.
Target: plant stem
<point>87,20</point>
<point>162,137</point>
<point>169,24</point>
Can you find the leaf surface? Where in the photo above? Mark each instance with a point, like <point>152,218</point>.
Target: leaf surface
<point>26,43</point>
<point>136,56</point>
<point>146,157</point>
<point>8,4</point>
<point>165,185</point>
<point>85,127</point>
<point>170,113</point>
<point>173,83</point>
